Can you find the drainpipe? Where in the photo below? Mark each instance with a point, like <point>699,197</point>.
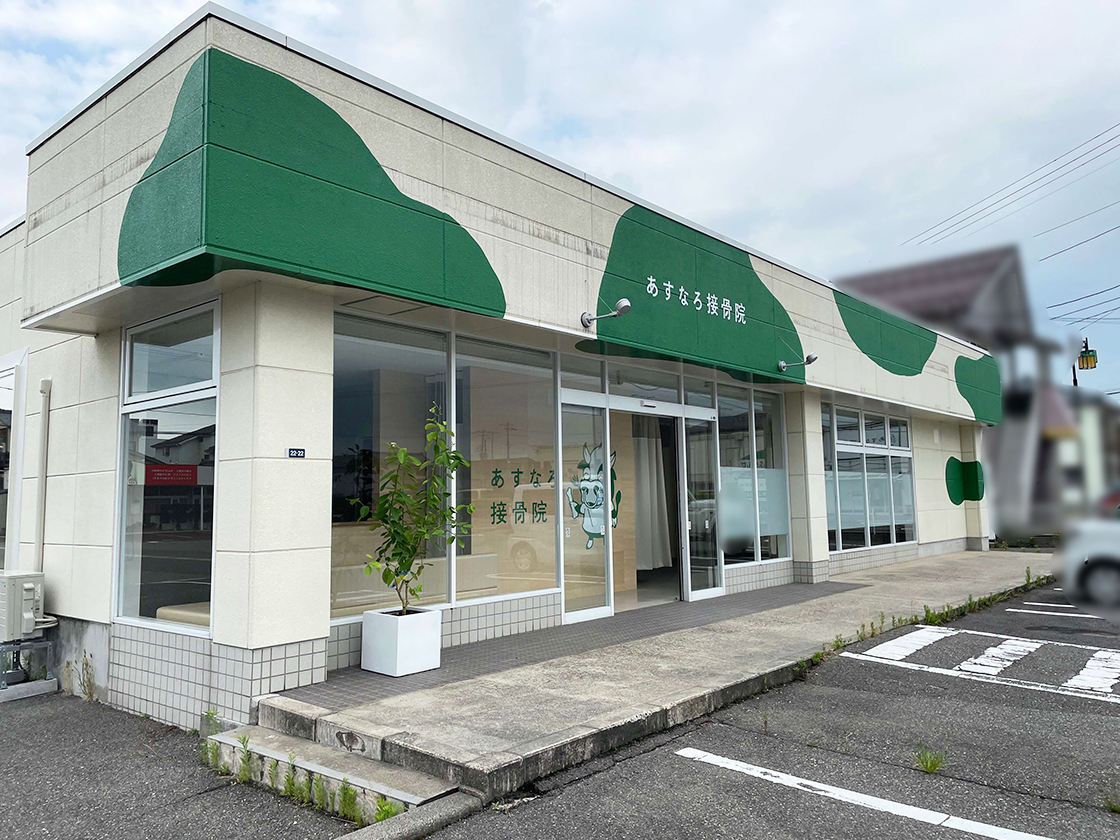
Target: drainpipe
<point>41,484</point>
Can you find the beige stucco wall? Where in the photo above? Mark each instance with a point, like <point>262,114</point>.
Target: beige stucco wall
<point>934,442</point>
<point>81,453</point>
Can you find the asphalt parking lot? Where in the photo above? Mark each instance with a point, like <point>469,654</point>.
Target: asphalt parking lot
<point>1020,700</point>
<point>80,771</point>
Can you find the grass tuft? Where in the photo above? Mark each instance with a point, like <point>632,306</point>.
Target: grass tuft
<point>927,760</point>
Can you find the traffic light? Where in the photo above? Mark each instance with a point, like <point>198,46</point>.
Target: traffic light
<point>1087,360</point>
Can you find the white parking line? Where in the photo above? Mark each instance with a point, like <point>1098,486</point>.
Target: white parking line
<point>985,678</point>
<point>864,800</point>
<point>997,658</point>
<point>1044,604</point>
<point>1044,612</point>
<point>910,643</point>
<point>1100,673</point>
<point>1023,639</point>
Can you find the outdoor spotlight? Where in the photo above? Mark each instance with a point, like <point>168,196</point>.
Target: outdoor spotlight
<point>620,308</point>
<point>812,357</point>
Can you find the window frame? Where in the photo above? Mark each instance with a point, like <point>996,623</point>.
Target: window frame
<point>15,363</point>
<point>128,398</point>
<point>863,449</point>
<point>128,405</point>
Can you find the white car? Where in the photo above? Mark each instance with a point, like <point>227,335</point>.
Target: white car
<point>1090,563</point>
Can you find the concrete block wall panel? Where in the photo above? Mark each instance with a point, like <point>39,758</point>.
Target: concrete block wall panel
<point>272,531</point>
<point>934,442</point>
<point>808,513</point>
<point>545,234</point>
<point>80,178</point>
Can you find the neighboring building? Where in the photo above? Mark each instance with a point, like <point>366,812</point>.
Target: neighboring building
<point>982,297</point>
<point>246,268</point>
<point>1090,462</point>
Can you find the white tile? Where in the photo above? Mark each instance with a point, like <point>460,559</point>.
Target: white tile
<point>95,508</point>
<point>98,433</point>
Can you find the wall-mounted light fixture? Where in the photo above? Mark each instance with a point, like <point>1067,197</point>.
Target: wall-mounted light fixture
<point>620,308</point>
<point>812,357</point>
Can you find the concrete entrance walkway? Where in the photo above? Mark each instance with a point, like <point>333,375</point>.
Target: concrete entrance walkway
<point>494,731</point>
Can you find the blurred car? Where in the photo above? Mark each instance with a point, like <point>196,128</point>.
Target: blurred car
<point>1109,505</point>
<point>1090,563</point>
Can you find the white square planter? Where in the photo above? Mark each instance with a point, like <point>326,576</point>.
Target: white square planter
<point>401,644</point>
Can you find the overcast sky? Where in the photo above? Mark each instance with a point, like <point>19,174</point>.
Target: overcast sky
<point>824,134</point>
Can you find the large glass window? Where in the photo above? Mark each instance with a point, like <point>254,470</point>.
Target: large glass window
<point>386,378</point>
<point>174,353</point>
<point>773,487</point>
<point>581,373</point>
<point>506,414</point>
<point>169,512</point>
<point>830,476</point>
<point>644,384</point>
<point>737,517</point>
<point>170,433</point>
<point>7,402</point>
<point>868,478</point>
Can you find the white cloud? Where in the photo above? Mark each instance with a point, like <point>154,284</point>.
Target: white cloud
<point>824,133</point>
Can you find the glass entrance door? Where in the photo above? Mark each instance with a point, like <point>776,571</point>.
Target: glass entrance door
<point>587,512</point>
<point>704,572</point>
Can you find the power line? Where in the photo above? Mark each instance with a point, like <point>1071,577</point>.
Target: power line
<point>1083,308</point>
<point>999,219</point>
<point>1078,219</point>
<point>1079,244</point>
<point>956,228</point>
<point>1013,183</point>
<point>1083,297</point>
<point>1091,317</point>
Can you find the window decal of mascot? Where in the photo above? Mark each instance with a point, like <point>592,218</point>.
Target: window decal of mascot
<point>589,483</point>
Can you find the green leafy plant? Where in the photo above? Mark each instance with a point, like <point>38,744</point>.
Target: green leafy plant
<point>322,797</point>
<point>1028,577</point>
<point>348,807</point>
<point>1112,801</point>
<point>246,768</point>
<point>215,753</point>
<point>386,809</point>
<point>193,732</point>
<point>413,507</point>
<point>273,771</point>
<point>307,790</point>
<point>290,778</point>
<point>204,751</point>
<point>928,760</point>
<point>211,715</point>
<point>86,683</point>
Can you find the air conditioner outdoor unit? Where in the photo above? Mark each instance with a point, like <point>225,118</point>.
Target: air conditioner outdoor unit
<point>21,605</point>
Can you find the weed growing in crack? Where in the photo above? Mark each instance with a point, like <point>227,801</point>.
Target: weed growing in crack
<point>927,760</point>
<point>273,771</point>
<point>290,777</point>
<point>246,769</point>
<point>348,803</point>
<point>386,809</point>
<point>322,797</point>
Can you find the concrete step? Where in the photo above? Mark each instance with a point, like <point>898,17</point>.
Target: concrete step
<point>318,775</point>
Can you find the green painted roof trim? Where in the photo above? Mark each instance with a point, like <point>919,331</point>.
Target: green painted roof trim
<point>978,382</point>
<point>752,334</point>
<point>255,172</point>
<point>894,344</point>
<point>964,480</point>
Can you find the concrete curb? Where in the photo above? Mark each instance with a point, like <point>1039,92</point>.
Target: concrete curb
<point>422,821</point>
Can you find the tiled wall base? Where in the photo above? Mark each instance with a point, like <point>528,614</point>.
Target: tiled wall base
<point>855,561</point>
<point>461,625</point>
<point>811,571</point>
<point>174,678</point>
<point>743,577</point>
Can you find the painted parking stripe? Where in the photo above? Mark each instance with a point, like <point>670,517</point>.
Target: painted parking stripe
<point>996,658</point>
<point>985,678</point>
<point>1023,639</point>
<point>910,643</point>
<point>1100,673</point>
<point>1044,612</point>
<point>1044,604</point>
<point>864,800</point>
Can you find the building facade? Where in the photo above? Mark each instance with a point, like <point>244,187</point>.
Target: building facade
<point>246,269</point>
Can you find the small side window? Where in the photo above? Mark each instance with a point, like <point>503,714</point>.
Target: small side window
<point>172,354</point>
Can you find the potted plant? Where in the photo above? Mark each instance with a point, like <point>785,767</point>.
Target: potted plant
<point>413,506</point>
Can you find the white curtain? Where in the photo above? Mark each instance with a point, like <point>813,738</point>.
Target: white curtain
<point>651,514</point>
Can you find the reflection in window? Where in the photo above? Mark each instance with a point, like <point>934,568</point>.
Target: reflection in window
<point>643,384</point>
<point>507,416</point>
<point>386,378</point>
<point>7,399</point>
<point>900,434</point>
<point>829,475</point>
<point>581,373</point>
<point>169,512</point>
<point>847,426</point>
<point>879,499</point>
<point>773,491</point>
<point>172,354</point>
<point>875,430</point>
<point>736,518</point>
<point>853,502</point>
